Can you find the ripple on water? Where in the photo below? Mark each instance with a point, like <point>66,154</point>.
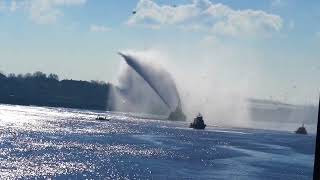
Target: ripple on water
<point>67,143</point>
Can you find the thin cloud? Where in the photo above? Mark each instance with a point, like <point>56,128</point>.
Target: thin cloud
<point>99,28</point>
<point>46,12</point>
<point>291,24</point>
<point>41,11</point>
<point>2,5</point>
<point>278,3</point>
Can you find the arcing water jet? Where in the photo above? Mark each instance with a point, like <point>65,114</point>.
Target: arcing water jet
<point>160,82</point>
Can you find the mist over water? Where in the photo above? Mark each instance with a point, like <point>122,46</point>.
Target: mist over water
<point>219,93</point>
<point>133,94</point>
<point>218,104</point>
<point>145,86</point>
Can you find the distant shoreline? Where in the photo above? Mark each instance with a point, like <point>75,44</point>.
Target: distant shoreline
<point>40,89</point>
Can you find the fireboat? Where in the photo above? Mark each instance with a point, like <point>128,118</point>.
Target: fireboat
<point>198,123</point>
<point>301,130</point>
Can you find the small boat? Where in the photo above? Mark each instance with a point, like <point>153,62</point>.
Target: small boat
<point>198,123</point>
<point>100,118</point>
<point>301,130</point>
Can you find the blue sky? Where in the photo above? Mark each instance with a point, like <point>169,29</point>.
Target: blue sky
<point>273,44</point>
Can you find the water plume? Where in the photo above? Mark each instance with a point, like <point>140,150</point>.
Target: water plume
<point>146,87</point>
<point>152,76</point>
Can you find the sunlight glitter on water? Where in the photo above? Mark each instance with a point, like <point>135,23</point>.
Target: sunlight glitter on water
<point>39,142</point>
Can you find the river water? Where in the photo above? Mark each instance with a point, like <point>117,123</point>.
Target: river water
<point>60,143</point>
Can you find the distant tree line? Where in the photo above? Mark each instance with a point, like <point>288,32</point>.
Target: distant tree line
<point>41,89</point>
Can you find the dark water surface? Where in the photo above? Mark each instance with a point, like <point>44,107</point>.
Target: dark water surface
<point>38,142</point>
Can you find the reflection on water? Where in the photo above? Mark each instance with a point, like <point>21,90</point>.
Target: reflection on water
<point>66,143</point>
